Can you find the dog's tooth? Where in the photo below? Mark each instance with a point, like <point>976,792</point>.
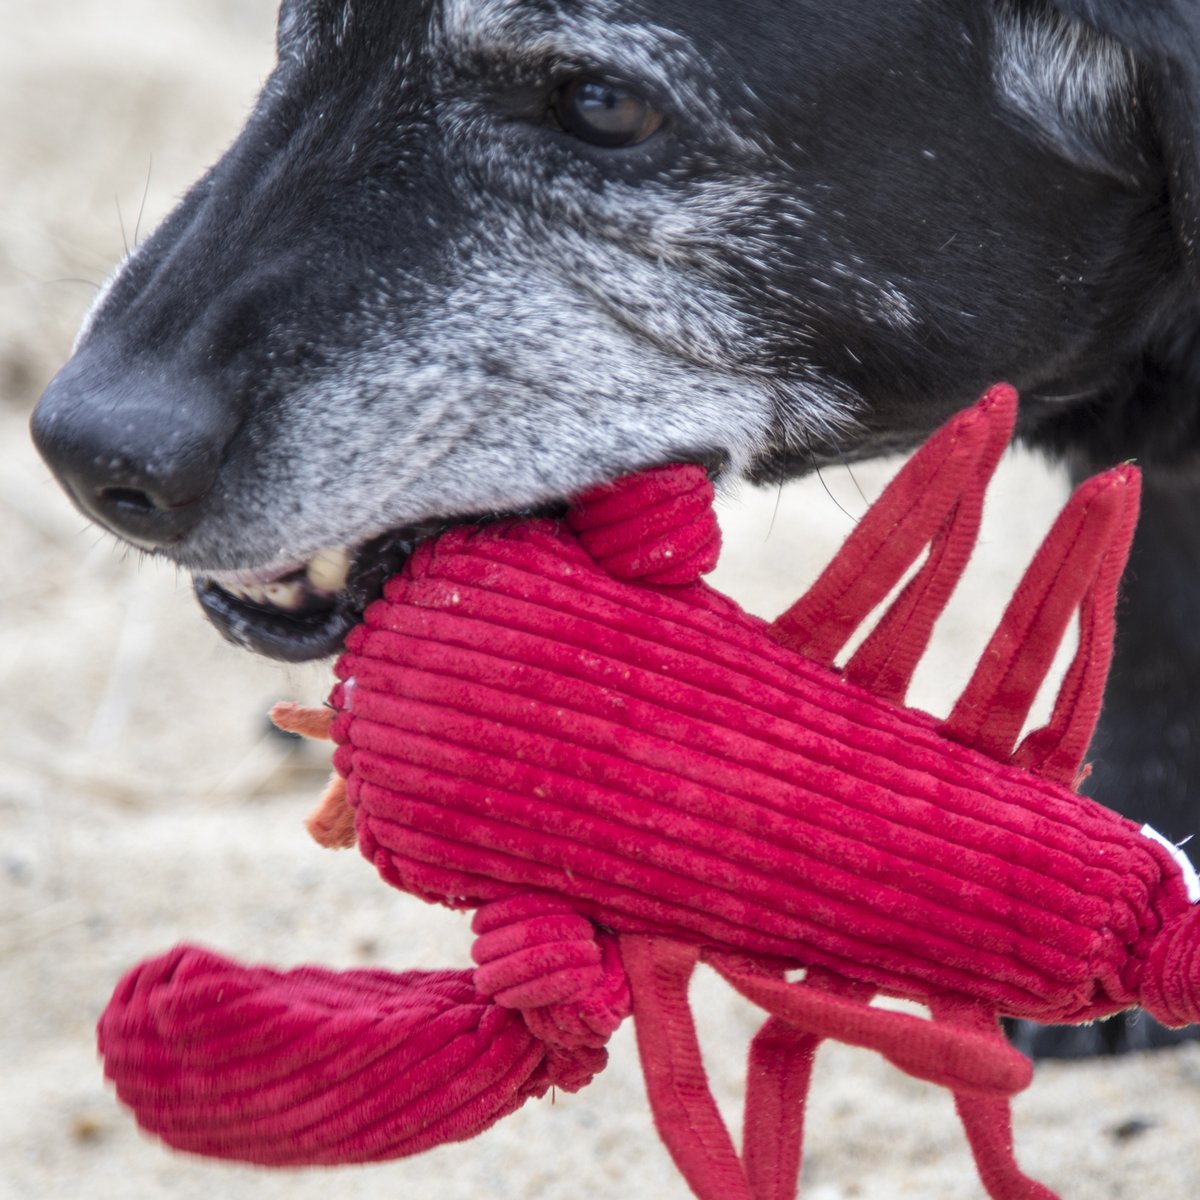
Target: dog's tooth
<point>284,595</point>
<point>329,569</point>
<point>255,593</point>
<point>234,589</point>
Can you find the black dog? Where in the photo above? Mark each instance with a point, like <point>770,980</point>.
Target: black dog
<point>469,256</point>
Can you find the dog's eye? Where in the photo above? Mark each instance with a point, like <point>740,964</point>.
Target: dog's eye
<point>604,114</point>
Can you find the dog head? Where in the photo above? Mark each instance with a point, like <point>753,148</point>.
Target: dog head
<point>471,256</point>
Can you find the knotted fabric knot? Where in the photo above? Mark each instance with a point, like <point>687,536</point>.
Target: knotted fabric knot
<point>657,527</point>
<point>535,954</point>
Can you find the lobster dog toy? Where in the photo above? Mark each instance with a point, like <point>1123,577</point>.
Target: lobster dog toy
<point>559,725</point>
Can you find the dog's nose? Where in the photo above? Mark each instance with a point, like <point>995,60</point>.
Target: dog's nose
<point>137,449</point>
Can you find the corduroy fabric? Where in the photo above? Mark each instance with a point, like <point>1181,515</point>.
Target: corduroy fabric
<point>513,718</point>
<point>313,1066</point>
<point>561,725</point>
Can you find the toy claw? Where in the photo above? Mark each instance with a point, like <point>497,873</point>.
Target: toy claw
<point>560,725</point>
<point>331,823</point>
<point>302,720</point>
<point>321,1067</point>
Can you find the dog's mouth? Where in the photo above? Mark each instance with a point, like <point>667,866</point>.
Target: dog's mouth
<point>304,610</point>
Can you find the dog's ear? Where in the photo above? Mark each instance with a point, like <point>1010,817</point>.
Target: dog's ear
<point>1164,36</point>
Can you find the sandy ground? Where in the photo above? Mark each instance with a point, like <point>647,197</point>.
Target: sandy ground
<point>143,802</point>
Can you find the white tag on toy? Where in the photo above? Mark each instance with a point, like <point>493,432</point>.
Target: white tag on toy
<point>1190,878</point>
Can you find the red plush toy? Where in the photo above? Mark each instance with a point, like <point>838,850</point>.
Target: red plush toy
<point>561,726</point>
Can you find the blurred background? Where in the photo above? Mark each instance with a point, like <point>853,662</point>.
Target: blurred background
<point>144,801</point>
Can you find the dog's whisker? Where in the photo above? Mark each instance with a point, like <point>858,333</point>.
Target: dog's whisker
<point>142,207</point>
<point>77,279</point>
<point>837,503</point>
<point>1067,397</point>
<point>121,223</point>
<point>850,471</point>
<point>774,511</point>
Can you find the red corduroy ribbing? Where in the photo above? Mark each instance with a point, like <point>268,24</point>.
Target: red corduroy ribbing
<point>561,725</point>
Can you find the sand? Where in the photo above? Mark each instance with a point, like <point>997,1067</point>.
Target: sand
<point>143,801</point>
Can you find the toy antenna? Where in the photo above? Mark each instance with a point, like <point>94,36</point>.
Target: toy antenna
<point>1078,567</point>
<point>936,501</point>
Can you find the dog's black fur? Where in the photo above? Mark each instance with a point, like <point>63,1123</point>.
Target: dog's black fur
<point>417,289</point>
